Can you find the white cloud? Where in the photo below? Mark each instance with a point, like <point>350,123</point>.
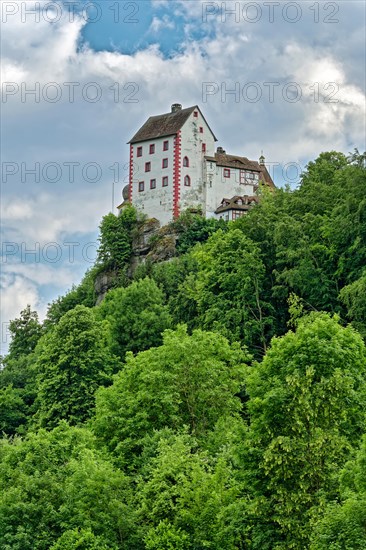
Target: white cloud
<point>158,24</point>
<point>16,292</point>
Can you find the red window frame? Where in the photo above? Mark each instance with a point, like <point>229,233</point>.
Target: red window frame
<point>141,186</point>
<point>139,152</point>
<point>203,147</point>
<point>226,172</point>
<point>164,163</point>
<point>201,129</point>
<point>165,145</point>
<point>153,183</point>
<point>165,181</point>
<point>195,114</point>
<point>152,148</point>
<point>147,166</point>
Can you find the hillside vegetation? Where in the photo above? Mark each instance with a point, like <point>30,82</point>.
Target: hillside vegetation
<point>213,401</point>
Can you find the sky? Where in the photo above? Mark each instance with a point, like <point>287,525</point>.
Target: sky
<point>79,78</point>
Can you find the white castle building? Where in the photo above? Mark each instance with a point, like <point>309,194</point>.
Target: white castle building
<point>174,167</point>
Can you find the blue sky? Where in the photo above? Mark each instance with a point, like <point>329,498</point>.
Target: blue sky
<point>283,77</point>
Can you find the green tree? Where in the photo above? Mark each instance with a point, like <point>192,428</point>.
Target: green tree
<point>228,289</point>
<point>115,239</point>
<point>354,298</point>
<point>40,477</point>
<point>187,499</point>
<point>343,524</point>
<point>307,409</point>
<point>137,316</point>
<point>189,380</point>
<point>17,375</point>
<point>73,360</point>
<point>83,294</point>
<point>194,228</point>
<point>25,332</point>
<point>12,410</point>
<point>84,539</point>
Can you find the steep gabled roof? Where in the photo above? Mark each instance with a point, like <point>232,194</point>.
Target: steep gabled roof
<point>242,163</point>
<point>164,125</point>
<point>234,203</point>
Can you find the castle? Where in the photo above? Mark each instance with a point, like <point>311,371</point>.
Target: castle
<point>174,167</point>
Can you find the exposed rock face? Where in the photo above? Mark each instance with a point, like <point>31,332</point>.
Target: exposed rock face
<point>104,282</point>
<point>151,243</point>
<point>141,243</point>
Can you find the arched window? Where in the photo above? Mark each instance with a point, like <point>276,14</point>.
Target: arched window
<point>187,181</point>
<point>185,161</point>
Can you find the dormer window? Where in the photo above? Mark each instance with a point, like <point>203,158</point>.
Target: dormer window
<point>139,151</point>
<point>226,172</point>
<point>187,181</point>
<point>185,161</point>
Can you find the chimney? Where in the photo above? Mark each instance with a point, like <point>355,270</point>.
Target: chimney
<point>176,107</point>
<point>220,151</point>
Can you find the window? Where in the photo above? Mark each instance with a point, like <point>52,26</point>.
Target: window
<point>147,166</point>
<point>187,181</point>
<point>165,145</point>
<point>165,181</point>
<point>242,176</point>
<point>256,176</point>
<point>185,161</point>
<point>226,172</point>
<point>238,214</point>
<point>251,175</point>
<point>195,114</point>
<point>141,186</point>
<point>201,130</point>
<point>165,163</point>
<point>203,147</point>
<point>152,184</point>
<point>152,148</point>
<point>139,151</point>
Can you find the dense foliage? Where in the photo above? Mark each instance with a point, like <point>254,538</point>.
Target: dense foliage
<point>216,400</point>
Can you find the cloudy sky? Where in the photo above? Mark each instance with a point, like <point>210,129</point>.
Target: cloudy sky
<point>79,78</point>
